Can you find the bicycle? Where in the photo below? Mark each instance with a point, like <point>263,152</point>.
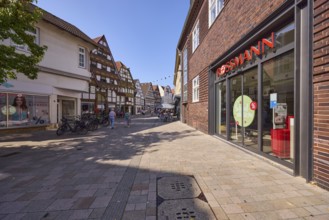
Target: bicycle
<point>91,121</point>
<point>78,127</point>
<point>104,120</point>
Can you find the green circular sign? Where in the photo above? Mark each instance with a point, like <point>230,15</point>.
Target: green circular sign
<point>248,113</point>
<point>11,109</point>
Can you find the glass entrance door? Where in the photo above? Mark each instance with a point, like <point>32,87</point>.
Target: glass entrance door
<point>68,108</point>
<point>236,129</point>
<point>243,118</point>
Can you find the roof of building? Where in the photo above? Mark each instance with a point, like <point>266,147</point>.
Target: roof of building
<point>97,39</point>
<point>120,65</point>
<point>64,25</point>
<point>145,87</point>
<point>194,8</point>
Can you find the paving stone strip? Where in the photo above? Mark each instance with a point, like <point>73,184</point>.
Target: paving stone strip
<point>117,205</point>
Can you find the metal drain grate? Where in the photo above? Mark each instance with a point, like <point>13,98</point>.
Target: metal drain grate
<point>186,214</point>
<point>180,198</point>
<point>178,187</point>
<point>185,209</point>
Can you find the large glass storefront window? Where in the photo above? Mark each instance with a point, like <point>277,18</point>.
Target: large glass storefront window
<point>274,73</point>
<point>23,110</point>
<point>221,109</point>
<point>278,106</point>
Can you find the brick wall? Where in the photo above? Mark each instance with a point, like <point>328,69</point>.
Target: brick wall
<point>321,93</point>
<point>235,20</point>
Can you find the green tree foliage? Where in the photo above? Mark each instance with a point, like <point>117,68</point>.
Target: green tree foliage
<point>17,18</point>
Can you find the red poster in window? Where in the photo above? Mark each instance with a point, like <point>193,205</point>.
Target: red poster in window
<point>253,106</point>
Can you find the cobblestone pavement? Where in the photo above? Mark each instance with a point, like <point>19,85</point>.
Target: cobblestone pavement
<point>114,174</point>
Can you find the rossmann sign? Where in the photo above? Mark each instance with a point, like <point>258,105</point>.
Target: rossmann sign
<point>246,56</point>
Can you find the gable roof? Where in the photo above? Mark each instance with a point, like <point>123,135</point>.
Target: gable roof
<point>146,87</point>
<point>97,39</point>
<point>120,65</point>
<point>61,24</point>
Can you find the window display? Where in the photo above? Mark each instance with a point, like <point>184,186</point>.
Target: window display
<point>278,105</point>
<point>23,110</point>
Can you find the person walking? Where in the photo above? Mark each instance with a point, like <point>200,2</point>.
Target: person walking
<point>112,118</point>
<point>127,119</point>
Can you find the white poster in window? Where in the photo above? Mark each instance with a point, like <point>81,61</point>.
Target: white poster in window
<point>279,115</point>
<point>273,100</point>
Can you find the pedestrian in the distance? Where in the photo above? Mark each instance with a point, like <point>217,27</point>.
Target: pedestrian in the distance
<point>112,118</point>
<point>127,119</point>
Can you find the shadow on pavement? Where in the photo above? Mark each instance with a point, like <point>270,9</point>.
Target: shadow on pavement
<point>43,176</point>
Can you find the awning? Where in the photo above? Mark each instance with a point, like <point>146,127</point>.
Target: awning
<point>166,106</point>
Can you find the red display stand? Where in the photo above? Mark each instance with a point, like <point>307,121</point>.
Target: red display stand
<point>280,142</point>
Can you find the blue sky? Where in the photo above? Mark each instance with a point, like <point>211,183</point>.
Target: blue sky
<point>143,34</point>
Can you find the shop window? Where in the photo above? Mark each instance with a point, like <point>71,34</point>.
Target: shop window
<point>195,91</point>
<point>23,110</point>
<point>87,107</point>
<point>285,36</point>
<point>278,106</point>
<point>195,37</point>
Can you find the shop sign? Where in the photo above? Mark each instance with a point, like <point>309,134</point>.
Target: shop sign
<point>247,55</point>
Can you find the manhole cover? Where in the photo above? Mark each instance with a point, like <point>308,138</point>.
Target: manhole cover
<point>180,187</point>
<point>185,209</point>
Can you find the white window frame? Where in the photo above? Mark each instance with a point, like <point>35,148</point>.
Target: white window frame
<point>195,89</point>
<point>195,37</point>
<point>82,57</point>
<point>24,47</point>
<point>215,7</point>
<point>185,75</point>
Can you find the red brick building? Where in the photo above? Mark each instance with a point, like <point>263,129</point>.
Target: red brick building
<point>254,73</point>
<point>321,92</point>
